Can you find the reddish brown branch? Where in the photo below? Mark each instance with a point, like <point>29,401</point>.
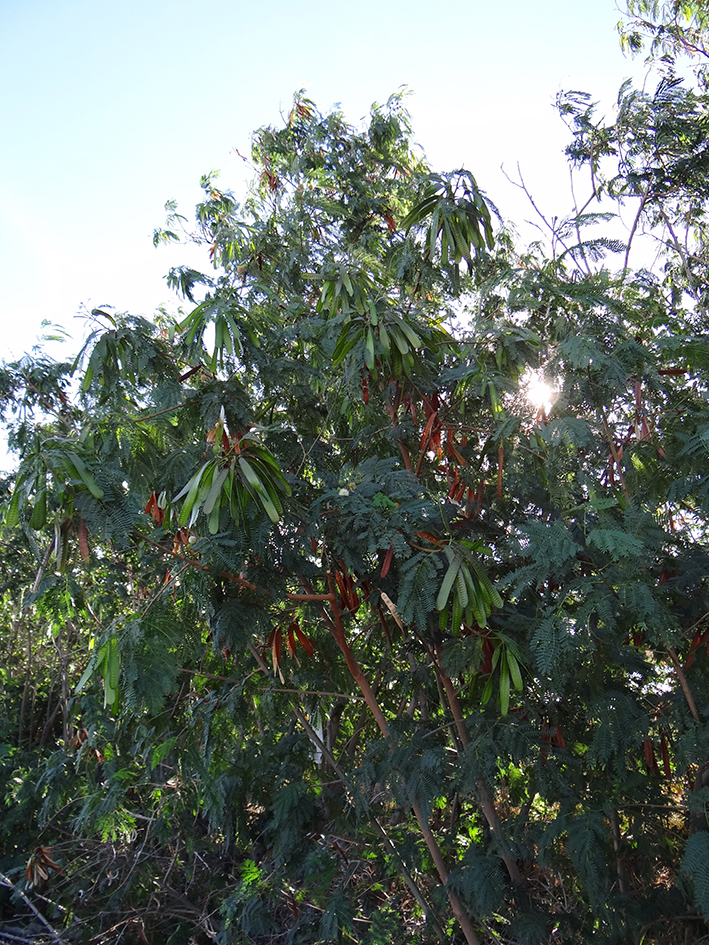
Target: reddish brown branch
<point>194,564</point>
<point>416,892</point>
<point>615,454</point>
<point>353,666</point>
<point>456,905</point>
<point>684,684</point>
<point>338,633</point>
<point>423,447</point>
<point>484,795</point>
<point>392,410</point>
<point>406,456</point>
<point>317,597</point>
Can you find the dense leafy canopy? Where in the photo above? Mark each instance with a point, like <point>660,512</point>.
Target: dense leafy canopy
<point>315,626</point>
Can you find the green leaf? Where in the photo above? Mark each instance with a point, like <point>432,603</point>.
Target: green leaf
<point>384,339</point>
<point>515,672</point>
<point>113,663</point>
<point>85,475</point>
<point>256,484</point>
<point>38,518</point>
<point>411,335</point>
<point>96,660</point>
<point>345,343</point>
<point>448,581</point>
<point>461,587</point>
<point>399,340</point>
<point>695,865</point>
<point>369,350</point>
<point>161,752</point>
<point>215,489</point>
<point>618,544</point>
<point>504,684</point>
<point>12,515</point>
<point>192,491</point>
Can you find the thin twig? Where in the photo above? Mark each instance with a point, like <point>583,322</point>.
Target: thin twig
<point>164,588</point>
<point>152,416</point>
<point>577,227</point>
<point>634,227</point>
<point>552,229</point>
<point>319,437</point>
<point>318,692</point>
<point>227,575</point>
<point>10,885</point>
<point>305,692</point>
<point>43,565</point>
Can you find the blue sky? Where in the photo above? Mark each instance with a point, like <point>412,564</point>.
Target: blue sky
<point>108,109</point>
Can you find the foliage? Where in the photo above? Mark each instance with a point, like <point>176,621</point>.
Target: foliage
<point>314,627</point>
<point>672,27</point>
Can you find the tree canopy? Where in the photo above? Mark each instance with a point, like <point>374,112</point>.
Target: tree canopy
<point>316,627</point>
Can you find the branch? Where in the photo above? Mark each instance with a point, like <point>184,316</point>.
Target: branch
<point>10,885</point>
<point>634,227</point>
<point>484,795</point>
<point>192,563</point>
<point>152,416</point>
<point>305,692</point>
<point>684,684</point>
<point>621,871</point>
<point>337,630</point>
<point>318,597</point>
<point>681,252</point>
<point>576,218</point>
<point>554,233</point>
<point>164,588</point>
<point>614,453</point>
<point>353,666</point>
<point>408,879</point>
<point>45,561</point>
<point>457,906</point>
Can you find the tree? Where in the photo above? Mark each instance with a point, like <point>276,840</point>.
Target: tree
<point>675,29</point>
<point>398,653</point>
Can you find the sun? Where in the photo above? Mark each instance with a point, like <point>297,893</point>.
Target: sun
<point>538,391</point>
